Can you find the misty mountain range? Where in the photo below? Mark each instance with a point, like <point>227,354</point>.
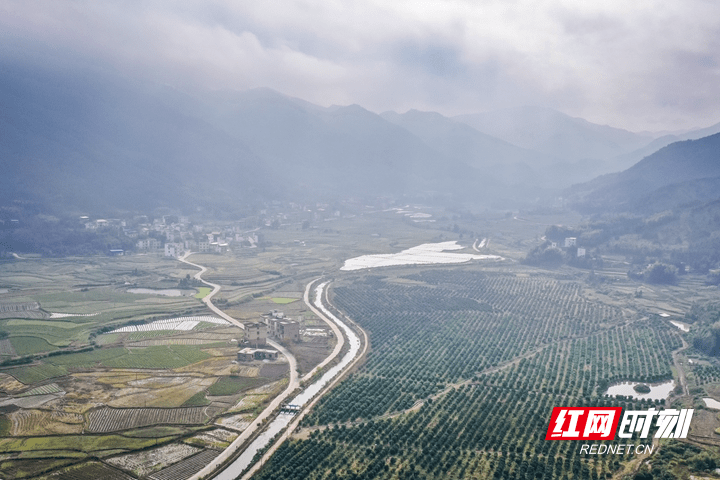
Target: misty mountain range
<point>95,141</point>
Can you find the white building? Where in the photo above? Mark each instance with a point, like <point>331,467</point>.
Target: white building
<point>570,242</point>
<point>148,244</point>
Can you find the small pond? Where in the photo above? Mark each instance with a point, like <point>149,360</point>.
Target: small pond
<point>658,391</point>
<point>712,403</point>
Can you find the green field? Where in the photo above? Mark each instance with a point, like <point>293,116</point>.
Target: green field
<point>31,345</point>
<point>233,385</point>
<point>36,373</point>
<point>203,292</point>
<point>283,301</point>
<point>165,356</point>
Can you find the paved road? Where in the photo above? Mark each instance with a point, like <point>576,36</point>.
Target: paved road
<point>277,401</point>
<point>678,366</point>
<point>298,418</point>
<point>336,331</point>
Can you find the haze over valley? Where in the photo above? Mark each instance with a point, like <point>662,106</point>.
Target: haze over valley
<point>319,241</point>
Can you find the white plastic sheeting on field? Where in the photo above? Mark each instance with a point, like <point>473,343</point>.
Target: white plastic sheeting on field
<point>426,254</point>
<point>180,323</point>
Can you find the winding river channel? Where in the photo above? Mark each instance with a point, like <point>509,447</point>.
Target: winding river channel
<point>283,419</point>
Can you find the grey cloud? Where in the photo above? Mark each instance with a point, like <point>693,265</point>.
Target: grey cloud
<point>630,65</point>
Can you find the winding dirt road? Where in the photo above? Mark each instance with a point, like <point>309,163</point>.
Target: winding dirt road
<point>277,401</point>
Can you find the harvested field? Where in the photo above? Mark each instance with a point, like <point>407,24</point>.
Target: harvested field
<point>113,419</point>
<point>9,384</point>
<point>216,366</point>
<point>248,402</point>
<point>164,392</point>
<point>224,351</point>
<point>187,467</point>
<point>235,422</point>
<point>67,417</point>
<point>42,422</point>
<point>218,438</point>
<point>144,463</point>
<point>87,470</point>
<point>246,371</point>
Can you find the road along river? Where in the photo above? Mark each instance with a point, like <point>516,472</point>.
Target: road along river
<point>303,400</point>
<point>276,402</point>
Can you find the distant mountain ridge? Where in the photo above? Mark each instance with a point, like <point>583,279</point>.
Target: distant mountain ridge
<point>554,133</point>
<point>680,173</point>
<point>511,164</point>
<point>93,141</point>
<point>85,139</point>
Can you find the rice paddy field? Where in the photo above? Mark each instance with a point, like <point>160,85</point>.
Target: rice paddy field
<point>95,374</point>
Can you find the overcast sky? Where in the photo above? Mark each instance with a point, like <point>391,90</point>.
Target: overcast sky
<point>640,64</point>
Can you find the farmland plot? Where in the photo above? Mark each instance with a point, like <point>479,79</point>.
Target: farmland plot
<point>9,385</point>
<point>6,348</point>
<point>179,324</point>
<point>186,468</point>
<point>113,419</point>
<point>43,390</point>
<point>235,422</point>
<point>217,439</point>
<point>84,471</point>
<point>144,463</point>
<point>26,422</point>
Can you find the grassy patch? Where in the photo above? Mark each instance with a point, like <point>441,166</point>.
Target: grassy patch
<point>31,345</point>
<point>164,356</point>
<point>283,301</point>
<point>36,373</point>
<point>87,359</point>
<point>203,292</point>
<point>82,443</point>
<point>197,400</point>
<point>233,385</point>
<point>42,323</point>
<point>156,432</point>
<point>51,453</point>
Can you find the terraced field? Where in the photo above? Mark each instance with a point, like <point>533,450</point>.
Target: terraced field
<point>88,470</point>
<point>107,419</point>
<point>186,468</point>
